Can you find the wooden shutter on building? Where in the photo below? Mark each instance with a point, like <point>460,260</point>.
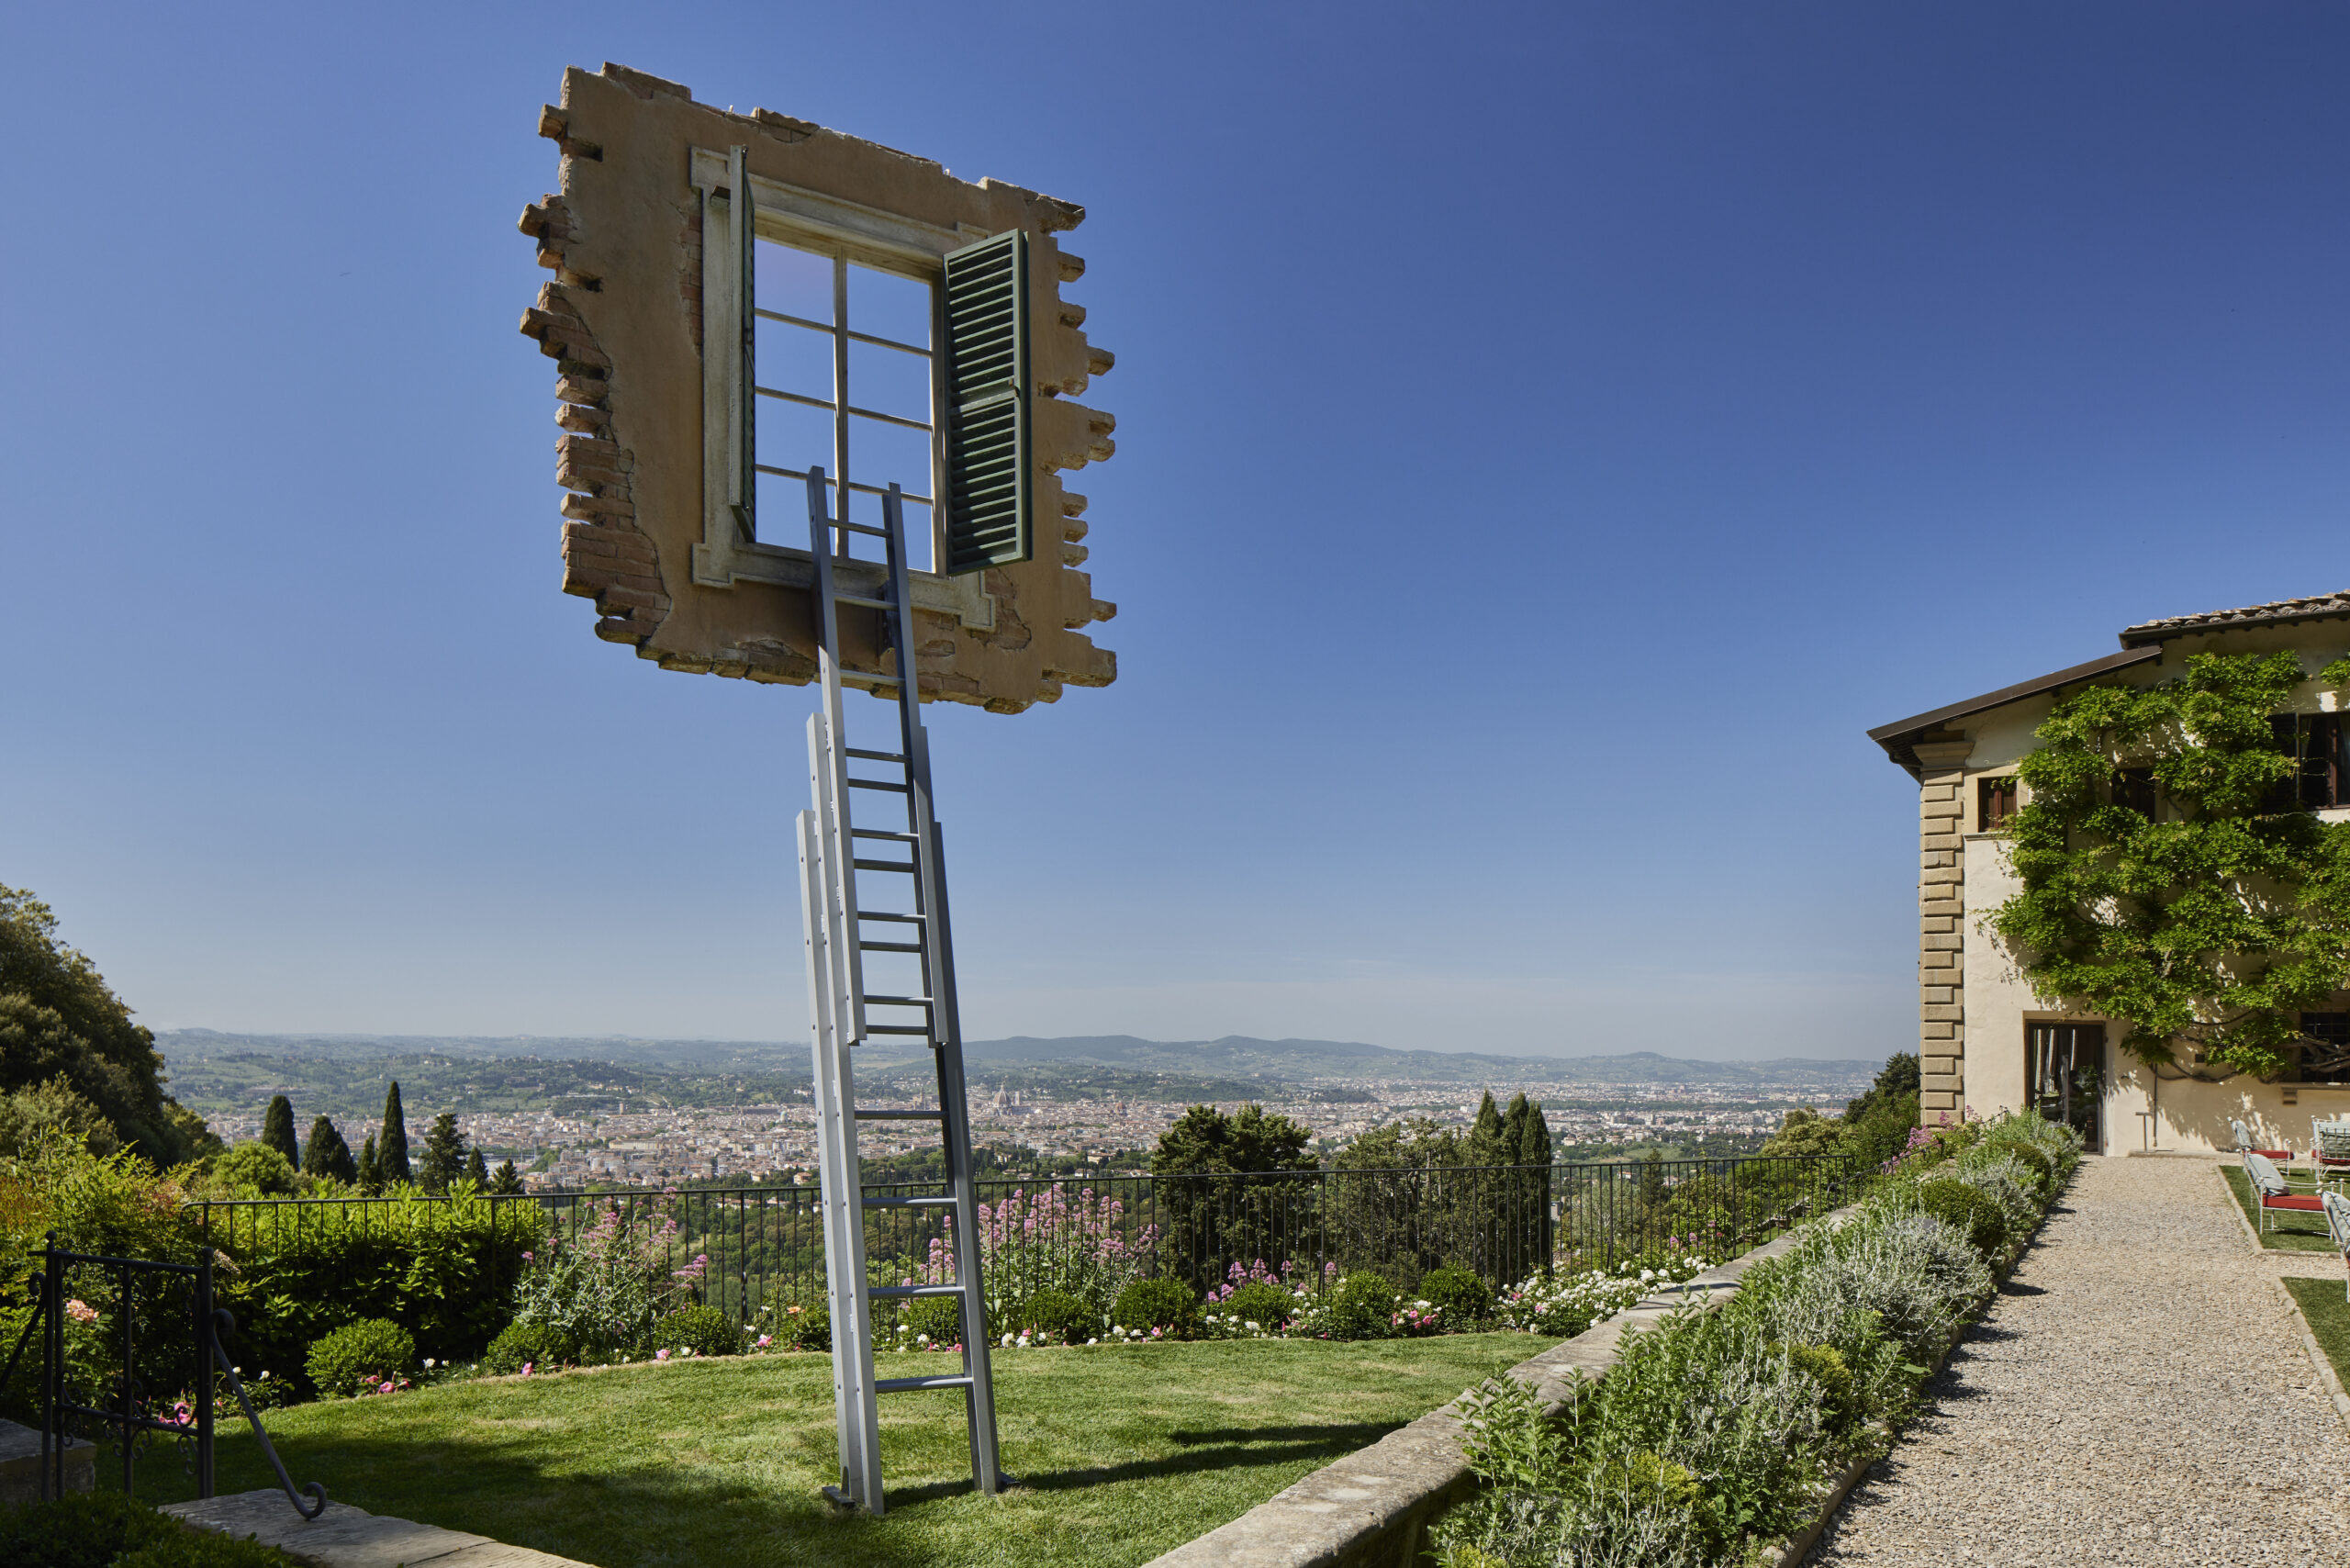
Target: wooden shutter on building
<point>989,478</point>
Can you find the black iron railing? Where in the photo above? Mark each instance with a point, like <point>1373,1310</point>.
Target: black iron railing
<point>748,1248</point>
<point>137,1366</point>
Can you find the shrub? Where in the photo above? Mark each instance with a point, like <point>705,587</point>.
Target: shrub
<point>443,1271</point>
<point>533,1345</point>
<point>607,1287</point>
<point>1361,1307</point>
<point>365,1353</point>
<point>1060,1317</point>
<point>1167,1305</point>
<point>1459,1295</point>
<point>806,1327</point>
<point>1824,1364</point>
<point>106,1530</point>
<point>1968,1210</point>
<point>2034,1159</point>
<point>1267,1306</point>
<point>940,1317</point>
<point>702,1330</point>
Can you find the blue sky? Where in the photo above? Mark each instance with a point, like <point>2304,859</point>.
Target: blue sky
<point>1548,437</point>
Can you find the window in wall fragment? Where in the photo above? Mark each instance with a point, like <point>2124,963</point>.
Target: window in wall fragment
<point>843,355</point>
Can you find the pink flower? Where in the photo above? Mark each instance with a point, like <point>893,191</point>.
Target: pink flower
<point>527,1366</point>
<point>660,1355</point>
<point>81,1312</point>
<point>765,1341</point>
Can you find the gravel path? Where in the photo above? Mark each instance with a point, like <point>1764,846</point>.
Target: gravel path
<point>2136,1396</point>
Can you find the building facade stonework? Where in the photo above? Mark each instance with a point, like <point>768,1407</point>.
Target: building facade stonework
<point>1986,1042</point>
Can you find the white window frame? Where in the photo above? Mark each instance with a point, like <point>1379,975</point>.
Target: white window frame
<point>847,231</point>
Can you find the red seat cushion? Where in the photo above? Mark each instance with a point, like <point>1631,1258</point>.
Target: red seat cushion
<point>2294,1203</point>
<point>2284,1154</point>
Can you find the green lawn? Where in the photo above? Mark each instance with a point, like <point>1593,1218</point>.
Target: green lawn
<point>2326,1304</point>
<point>1122,1454</point>
<point>2289,1230</point>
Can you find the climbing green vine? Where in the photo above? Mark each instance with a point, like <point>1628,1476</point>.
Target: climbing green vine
<point>2213,930</point>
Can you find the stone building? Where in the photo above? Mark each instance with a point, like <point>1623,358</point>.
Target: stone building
<point>1985,1041</point>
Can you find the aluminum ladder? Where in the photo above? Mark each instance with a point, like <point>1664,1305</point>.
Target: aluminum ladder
<point>832,850</point>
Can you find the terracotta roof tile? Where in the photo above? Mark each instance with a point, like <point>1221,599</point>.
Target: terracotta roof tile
<point>2250,615</point>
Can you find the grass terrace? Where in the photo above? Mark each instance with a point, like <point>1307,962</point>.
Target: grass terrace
<point>1123,1452</point>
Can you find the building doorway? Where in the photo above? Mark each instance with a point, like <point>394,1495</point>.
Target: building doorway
<point>2064,1075</point>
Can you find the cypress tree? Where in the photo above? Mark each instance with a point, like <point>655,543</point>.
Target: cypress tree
<point>391,1144</point>
<point>277,1129</point>
<point>326,1154</point>
<point>1534,1152</point>
<point>445,1155</point>
<point>371,1179</point>
<point>507,1179</point>
<point>477,1172</point>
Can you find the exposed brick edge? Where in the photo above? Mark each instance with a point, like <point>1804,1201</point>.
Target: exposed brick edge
<point>606,556</point>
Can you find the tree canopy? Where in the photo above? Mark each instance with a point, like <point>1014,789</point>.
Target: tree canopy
<point>66,1035</point>
<point>1204,1138</point>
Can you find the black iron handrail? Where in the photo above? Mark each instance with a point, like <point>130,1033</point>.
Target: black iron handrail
<point>131,1414</point>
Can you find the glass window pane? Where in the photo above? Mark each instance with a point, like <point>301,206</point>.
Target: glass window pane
<point>888,381</point>
<point>880,454</point>
<point>796,283</point>
<point>794,359</point>
<point>886,305</point>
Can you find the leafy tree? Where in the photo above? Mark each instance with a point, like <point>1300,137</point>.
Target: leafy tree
<point>1212,1217</point>
<point>256,1167</point>
<point>1485,1144</point>
<point>391,1143</point>
<point>1204,1138</point>
<point>507,1179</point>
<point>59,1022</point>
<point>28,1116</point>
<point>277,1129</point>
<point>327,1155</point>
<point>1805,1134</point>
<point>2213,929</point>
<point>477,1172</point>
<point>445,1155</point>
<point>1896,1081</point>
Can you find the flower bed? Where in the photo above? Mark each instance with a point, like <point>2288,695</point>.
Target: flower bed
<point>1723,1429</point>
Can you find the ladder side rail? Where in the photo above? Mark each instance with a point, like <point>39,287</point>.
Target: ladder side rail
<point>954,1097</point>
<point>938,984</point>
<point>838,1192</point>
<point>819,1034</point>
<point>839,844</point>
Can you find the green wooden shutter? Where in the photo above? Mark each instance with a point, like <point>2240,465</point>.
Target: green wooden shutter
<point>989,491</point>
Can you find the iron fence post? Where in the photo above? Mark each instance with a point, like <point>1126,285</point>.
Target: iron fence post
<point>203,1393</point>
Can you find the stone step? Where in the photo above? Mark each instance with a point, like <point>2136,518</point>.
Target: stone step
<point>345,1537</point>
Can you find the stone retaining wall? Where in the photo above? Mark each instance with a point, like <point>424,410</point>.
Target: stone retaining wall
<point>1371,1508</point>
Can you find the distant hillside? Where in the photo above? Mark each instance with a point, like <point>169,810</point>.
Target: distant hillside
<point>1236,1057</point>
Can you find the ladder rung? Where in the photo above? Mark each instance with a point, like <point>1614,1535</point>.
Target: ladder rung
<point>861,527</point>
<point>909,1203</point>
<point>875,756</point>
<point>877,784</point>
<point>858,599</point>
<point>890,915</point>
<point>901,1115</point>
<point>905,865</point>
<point>900,1292</point>
<point>872,675</point>
<point>899,1001</point>
<point>922,1029</point>
<point>902,1385</point>
<point>864,946</point>
<point>884,833</point>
